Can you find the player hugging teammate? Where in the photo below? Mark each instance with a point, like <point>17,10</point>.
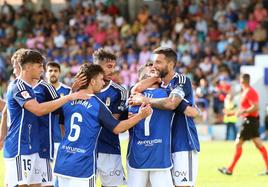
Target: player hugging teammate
<point>163,144</point>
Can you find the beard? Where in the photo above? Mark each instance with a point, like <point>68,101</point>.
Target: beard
<point>53,80</point>
<point>163,73</point>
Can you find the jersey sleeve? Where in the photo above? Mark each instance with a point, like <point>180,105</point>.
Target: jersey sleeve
<point>177,92</point>
<point>182,106</point>
<point>124,114</point>
<point>120,104</point>
<point>51,92</point>
<point>106,118</point>
<point>22,96</point>
<point>252,97</point>
<point>187,87</point>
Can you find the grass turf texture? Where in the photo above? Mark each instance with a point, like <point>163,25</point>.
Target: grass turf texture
<point>212,156</point>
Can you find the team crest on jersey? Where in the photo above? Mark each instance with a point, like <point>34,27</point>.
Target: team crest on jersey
<point>62,94</point>
<point>108,101</point>
<point>25,95</point>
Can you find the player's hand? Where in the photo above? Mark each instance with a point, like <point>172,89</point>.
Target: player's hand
<point>145,110</point>
<point>79,81</point>
<point>82,94</point>
<point>240,112</point>
<point>130,115</point>
<point>137,99</point>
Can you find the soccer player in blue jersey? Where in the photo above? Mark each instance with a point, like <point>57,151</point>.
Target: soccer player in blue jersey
<point>149,153</point>
<point>52,74</point>
<point>114,96</point>
<point>45,92</point>
<point>185,144</point>
<point>16,72</point>
<point>83,120</point>
<point>53,71</point>
<point>21,145</point>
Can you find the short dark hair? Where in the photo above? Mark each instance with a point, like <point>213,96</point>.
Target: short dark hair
<point>31,56</point>
<point>102,55</point>
<point>90,71</point>
<point>53,64</point>
<point>246,78</point>
<point>169,53</point>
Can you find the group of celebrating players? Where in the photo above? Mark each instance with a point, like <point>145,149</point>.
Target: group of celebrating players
<point>79,128</point>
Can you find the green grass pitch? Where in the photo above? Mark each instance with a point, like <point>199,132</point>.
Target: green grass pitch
<point>214,155</point>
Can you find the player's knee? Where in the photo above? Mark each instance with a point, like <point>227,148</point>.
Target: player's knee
<point>239,144</point>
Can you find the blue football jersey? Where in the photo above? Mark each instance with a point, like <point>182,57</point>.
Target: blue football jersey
<point>150,140</point>
<point>184,133</point>
<point>45,92</point>
<point>114,96</point>
<point>23,131</point>
<point>62,90</point>
<point>83,120</point>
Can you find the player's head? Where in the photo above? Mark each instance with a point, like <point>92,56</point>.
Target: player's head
<point>15,61</point>
<point>31,62</point>
<point>94,74</point>
<point>147,70</point>
<point>52,72</point>
<point>165,59</point>
<point>245,79</point>
<point>106,60</point>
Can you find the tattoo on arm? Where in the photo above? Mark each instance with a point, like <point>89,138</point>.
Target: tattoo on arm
<point>168,103</point>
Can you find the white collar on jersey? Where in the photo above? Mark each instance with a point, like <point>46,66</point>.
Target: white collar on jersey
<point>165,86</point>
<point>60,84</point>
<point>39,82</point>
<point>25,82</point>
<point>107,87</point>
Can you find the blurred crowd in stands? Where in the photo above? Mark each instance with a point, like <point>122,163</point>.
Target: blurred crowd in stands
<point>213,38</point>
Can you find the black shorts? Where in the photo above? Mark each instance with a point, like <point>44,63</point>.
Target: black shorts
<point>249,128</point>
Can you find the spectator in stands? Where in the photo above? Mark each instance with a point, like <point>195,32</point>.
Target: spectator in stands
<point>202,98</point>
<point>213,33</point>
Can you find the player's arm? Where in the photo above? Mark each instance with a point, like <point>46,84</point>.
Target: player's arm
<point>3,127</point>
<point>144,84</point>
<point>41,109</point>
<point>190,111</point>
<point>2,104</point>
<point>116,126</point>
<point>254,103</point>
<point>124,125</point>
<point>167,103</point>
<point>253,108</point>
